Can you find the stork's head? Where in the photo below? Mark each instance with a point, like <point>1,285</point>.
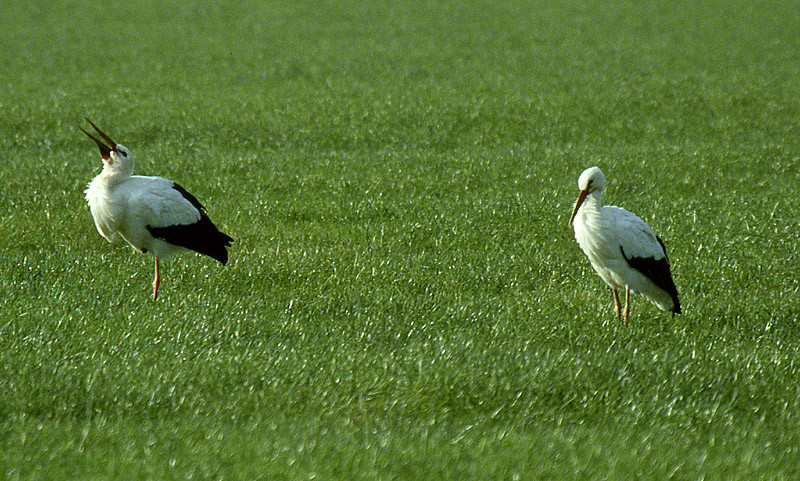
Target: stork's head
<point>116,158</point>
<point>591,180</point>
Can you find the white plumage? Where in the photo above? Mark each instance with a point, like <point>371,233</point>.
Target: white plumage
<point>152,214</point>
<point>622,248</point>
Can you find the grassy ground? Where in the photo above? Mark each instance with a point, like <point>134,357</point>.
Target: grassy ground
<point>404,299</point>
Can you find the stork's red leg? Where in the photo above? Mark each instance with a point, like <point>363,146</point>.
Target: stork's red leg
<point>617,305</point>
<point>627,304</point>
<point>155,282</point>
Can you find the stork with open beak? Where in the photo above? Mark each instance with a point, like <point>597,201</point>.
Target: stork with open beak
<point>152,214</point>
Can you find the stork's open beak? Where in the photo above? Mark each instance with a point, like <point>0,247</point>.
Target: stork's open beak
<point>105,150</point>
<point>581,198</point>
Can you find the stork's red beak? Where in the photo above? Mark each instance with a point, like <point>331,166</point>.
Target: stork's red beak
<point>105,150</point>
<point>581,198</point>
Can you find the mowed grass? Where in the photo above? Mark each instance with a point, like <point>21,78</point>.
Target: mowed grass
<point>404,299</point>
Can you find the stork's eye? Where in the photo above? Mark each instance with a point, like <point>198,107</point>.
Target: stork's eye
<point>124,154</point>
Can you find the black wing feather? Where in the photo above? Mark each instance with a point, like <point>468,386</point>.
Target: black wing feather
<point>186,195</point>
<point>201,236</point>
<point>657,271</point>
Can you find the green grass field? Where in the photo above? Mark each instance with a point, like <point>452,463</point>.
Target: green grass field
<point>404,298</point>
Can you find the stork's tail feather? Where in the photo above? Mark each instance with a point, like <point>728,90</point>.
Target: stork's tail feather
<point>676,309</point>
<point>218,251</point>
<point>202,236</point>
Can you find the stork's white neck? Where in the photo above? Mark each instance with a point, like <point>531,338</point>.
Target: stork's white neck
<point>590,216</point>
<point>115,173</point>
<point>592,204</point>
<point>591,230</point>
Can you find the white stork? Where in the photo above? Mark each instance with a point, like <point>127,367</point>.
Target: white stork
<point>152,214</point>
<point>622,248</point>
